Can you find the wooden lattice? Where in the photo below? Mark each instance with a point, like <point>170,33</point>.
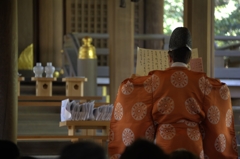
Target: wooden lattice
<point>90,16</point>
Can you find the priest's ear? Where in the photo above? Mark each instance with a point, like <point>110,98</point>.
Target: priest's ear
<point>134,76</point>
<point>170,59</point>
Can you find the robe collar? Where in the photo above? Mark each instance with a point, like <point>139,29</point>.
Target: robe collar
<point>178,64</point>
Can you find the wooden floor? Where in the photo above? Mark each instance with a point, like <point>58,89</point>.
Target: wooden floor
<point>47,157</point>
<point>38,148</point>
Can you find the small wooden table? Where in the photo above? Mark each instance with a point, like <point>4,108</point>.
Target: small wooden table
<point>73,126</point>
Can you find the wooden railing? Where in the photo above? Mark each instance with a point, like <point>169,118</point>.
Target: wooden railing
<point>103,71</point>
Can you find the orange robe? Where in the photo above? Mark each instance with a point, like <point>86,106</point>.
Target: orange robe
<point>179,109</point>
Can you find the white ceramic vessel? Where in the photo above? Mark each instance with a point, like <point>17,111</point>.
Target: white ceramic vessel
<point>38,69</point>
<point>49,70</point>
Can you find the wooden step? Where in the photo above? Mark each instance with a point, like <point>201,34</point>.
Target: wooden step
<point>58,137</point>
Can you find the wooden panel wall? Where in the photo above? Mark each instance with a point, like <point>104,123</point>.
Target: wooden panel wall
<point>121,43</point>
<point>25,24</point>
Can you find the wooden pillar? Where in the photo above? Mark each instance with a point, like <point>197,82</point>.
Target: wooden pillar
<point>8,69</point>
<point>120,44</point>
<point>19,84</point>
<point>50,31</point>
<point>153,21</point>
<point>199,18</point>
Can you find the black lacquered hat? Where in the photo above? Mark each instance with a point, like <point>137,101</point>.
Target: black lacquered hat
<point>180,37</point>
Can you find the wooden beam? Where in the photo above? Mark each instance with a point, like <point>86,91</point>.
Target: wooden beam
<point>120,43</point>
<point>50,31</point>
<point>153,22</point>
<point>199,18</point>
<point>57,98</point>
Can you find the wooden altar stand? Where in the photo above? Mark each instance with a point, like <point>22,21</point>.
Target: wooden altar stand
<point>43,85</point>
<point>74,85</point>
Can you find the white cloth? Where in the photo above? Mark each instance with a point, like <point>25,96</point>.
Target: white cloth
<point>179,64</point>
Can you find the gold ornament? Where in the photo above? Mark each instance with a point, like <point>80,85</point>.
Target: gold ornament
<point>87,50</point>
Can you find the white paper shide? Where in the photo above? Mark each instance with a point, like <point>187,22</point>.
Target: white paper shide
<point>85,111</point>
